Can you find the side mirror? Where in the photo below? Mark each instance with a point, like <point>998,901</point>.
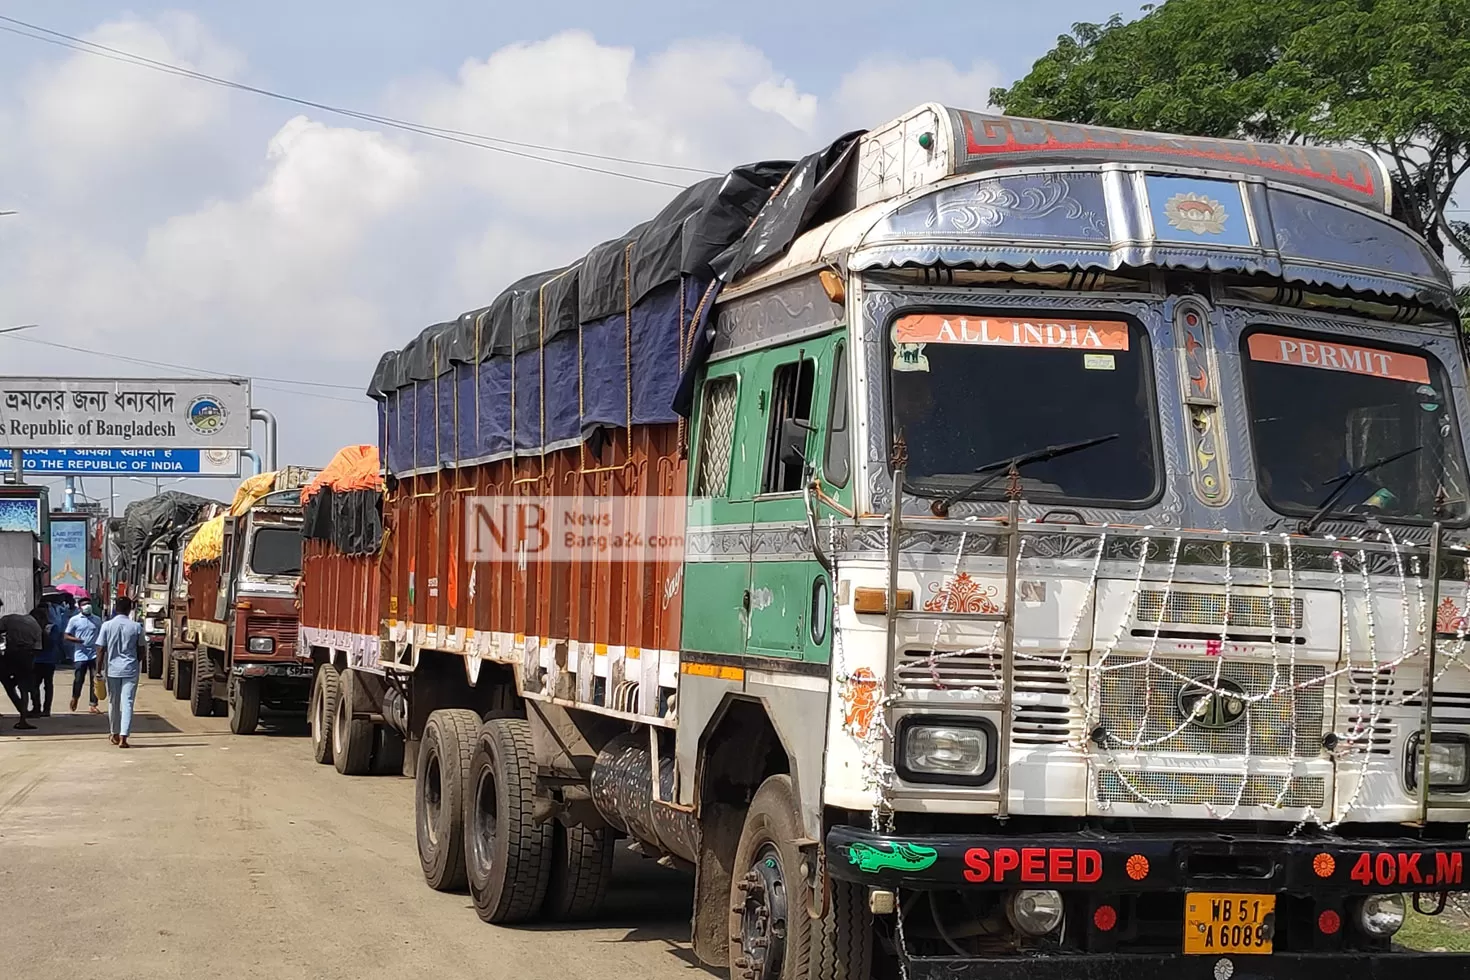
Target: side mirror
<point>792,448</point>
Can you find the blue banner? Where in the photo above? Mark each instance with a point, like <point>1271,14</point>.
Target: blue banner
<point>128,462</point>
<point>69,551</point>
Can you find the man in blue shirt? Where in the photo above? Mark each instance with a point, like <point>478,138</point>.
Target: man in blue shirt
<point>82,631</point>
<point>120,651</point>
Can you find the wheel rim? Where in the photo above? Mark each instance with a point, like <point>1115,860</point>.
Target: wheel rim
<point>483,822</point>
<point>318,713</point>
<point>339,727</point>
<point>433,797</point>
<point>762,907</point>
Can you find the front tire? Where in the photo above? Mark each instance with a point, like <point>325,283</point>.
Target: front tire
<point>183,679</point>
<point>772,936</point>
<point>324,693</point>
<point>507,853</point>
<point>352,738</point>
<point>440,786</point>
<point>244,705</point>
<point>201,691</point>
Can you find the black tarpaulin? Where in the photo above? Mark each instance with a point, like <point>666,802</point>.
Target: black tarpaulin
<point>146,521</point>
<point>352,520</point>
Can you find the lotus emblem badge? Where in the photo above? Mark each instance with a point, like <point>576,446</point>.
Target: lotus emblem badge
<point>1213,704</point>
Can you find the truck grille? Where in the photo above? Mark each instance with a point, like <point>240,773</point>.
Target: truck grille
<point>282,629</point>
<point>1218,789</point>
<point>1144,697</point>
<point>1208,609</point>
<point>1045,707</point>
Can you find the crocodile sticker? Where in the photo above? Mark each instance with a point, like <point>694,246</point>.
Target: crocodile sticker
<point>899,856</point>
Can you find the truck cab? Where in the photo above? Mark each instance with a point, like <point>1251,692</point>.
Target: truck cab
<point>153,600</point>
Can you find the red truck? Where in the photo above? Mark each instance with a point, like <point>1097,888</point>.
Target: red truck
<point>241,622</point>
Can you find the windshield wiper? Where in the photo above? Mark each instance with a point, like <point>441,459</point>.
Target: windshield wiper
<point>941,507</point>
<point>1343,482</point>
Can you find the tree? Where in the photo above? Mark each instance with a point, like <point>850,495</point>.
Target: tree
<point>1392,75</point>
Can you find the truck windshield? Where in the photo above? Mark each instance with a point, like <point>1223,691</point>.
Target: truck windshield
<point>970,390</point>
<point>276,551</point>
<point>1322,408</point>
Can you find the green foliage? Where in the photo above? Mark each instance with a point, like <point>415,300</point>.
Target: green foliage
<point>1392,75</point>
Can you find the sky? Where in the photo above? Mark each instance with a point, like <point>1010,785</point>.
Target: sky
<point>217,232</point>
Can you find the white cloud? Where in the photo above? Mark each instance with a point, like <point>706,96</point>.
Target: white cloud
<point>90,112</point>
<point>327,243</point>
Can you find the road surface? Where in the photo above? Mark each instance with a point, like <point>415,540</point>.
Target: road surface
<point>199,854</point>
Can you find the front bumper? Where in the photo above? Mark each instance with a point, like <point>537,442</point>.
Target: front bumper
<point>1281,966</point>
<point>290,671</point>
<point>1099,862</point>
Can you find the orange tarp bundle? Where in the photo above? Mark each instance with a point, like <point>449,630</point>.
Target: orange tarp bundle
<point>353,468</point>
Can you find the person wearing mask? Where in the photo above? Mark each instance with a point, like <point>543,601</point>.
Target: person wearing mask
<point>18,665</point>
<point>43,687</point>
<point>119,652</point>
<point>81,631</point>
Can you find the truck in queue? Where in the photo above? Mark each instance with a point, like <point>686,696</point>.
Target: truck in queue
<point>240,628</point>
<point>985,547</point>
<point>148,541</point>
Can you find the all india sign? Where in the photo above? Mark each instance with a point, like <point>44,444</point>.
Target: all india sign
<point>116,413</point>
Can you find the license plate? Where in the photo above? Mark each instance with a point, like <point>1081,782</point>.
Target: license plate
<point>1219,923</point>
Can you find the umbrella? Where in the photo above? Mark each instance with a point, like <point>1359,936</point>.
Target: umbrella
<point>73,590</point>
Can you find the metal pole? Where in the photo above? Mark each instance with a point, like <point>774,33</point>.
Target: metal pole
<point>1431,614</point>
<point>254,458</point>
<point>18,466</point>
<point>69,496</point>
<point>1008,654</point>
<point>261,415</point>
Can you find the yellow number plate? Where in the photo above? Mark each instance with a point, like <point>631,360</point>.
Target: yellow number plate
<point>1237,924</point>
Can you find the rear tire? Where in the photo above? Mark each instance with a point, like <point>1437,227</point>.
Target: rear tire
<point>322,711</point>
<point>155,661</point>
<point>581,868</point>
<point>183,679</point>
<point>441,779</point>
<point>507,854</point>
<point>170,667</point>
<point>201,690</point>
<point>387,751</point>
<point>244,705</point>
<point>352,738</point>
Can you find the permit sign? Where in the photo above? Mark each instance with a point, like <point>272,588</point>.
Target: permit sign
<point>1328,355</point>
<point>121,413</point>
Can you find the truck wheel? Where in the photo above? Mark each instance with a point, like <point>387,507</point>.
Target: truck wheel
<point>183,679</point>
<point>170,666</point>
<point>440,788</point>
<point>324,693</point>
<point>155,661</point>
<point>581,867</point>
<point>387,751</point>
<point>201,693</point>
<point>244,705</point>
<point>507,853</point>
<point>352,738</point>
<point>771,933</point>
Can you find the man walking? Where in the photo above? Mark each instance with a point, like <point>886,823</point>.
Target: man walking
<point>82,631</point>
<point>17,666</point>
<point>119,652</point>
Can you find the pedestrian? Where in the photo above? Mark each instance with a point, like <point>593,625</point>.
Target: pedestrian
<point>17,666</point>
<point>81,631</point>
<point>44,679</point>
<point>119,652</point>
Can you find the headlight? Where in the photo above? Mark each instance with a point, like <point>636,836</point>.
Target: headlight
<point>1381,916</point>
<point>1449,762</point>
<point>260,644</point>
<point>1035,912</point>
<point>946,750</point>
